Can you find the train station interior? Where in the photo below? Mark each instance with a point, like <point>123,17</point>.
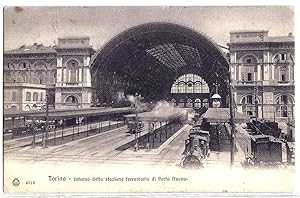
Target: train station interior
<point>157,93</point>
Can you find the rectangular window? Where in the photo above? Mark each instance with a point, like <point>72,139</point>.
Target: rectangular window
<point>284,99</point>
<point>41,96</point>
<point>28,96</point>
<point>283,57</point>
<point>283,77</point>
<point>249,76</point>
<point>249,99</point>
<point>35,96</point>
<point>13,96</point>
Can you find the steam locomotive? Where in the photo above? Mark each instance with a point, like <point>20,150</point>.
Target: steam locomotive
<point>196,148</point>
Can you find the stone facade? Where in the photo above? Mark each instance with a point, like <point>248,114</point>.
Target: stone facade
<point>262,70</point>
<point>61,72</point>
<point>73,84</point>
<point>28,72</point>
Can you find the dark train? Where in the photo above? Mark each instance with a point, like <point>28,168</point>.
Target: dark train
<point>265,151</point>
<point>133,126</point>
<point>196,147</point>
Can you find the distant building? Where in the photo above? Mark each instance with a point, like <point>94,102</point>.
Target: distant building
<point>28,71</point>
<point>62,72</point>
<point>262,69</point>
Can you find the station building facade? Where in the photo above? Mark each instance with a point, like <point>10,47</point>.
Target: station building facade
<point>59,73</point>
<point>262,70</point>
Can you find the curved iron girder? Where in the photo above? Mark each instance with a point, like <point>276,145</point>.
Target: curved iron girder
<point>129,49</point>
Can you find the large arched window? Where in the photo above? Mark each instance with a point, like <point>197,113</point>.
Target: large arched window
<point>284,106</point>
<point>72,71</point>
<point>284,67</point>
<point>190,83</point>
<point>249,69</point>
<point>250,105</point>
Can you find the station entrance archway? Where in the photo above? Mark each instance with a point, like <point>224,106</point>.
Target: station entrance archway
<point>147,59</point>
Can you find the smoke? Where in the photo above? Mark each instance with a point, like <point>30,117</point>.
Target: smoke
<point>161,108</point>
<point>120,96</point>
<point>190,114</point>
<point>136,102</point>
<point>165,109</point>
<point>131,99</point>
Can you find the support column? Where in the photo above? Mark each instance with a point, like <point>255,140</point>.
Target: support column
<point>240,72</point>
<point>73,133</point>
<point>87,127</point>
<point>166,130</point>
<point>54,138</point>
<point>160,132</point>
<point>62,130</point>
<point>258,72</point>
<point>78,127</point>
<point>273,72</point>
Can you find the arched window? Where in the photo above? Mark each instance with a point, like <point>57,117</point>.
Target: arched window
<point>22,78</point>
<point>34,107</point>
<point>250,105</point>
<point>197,103</point>
<point>13,107</point>
<point>284,106</point>
<point>10,66</point>
<point>205,103</point>
<point>284,63</point>
<point>72,100</point>
<point>181,103</point>
<point>283,74</point>
<point>24,66</point>
<point>72,71</point>
<point>189,103</point>
<point>40,65</point>
<point>190,83</point>
<point>283,57</point>
<point>249,68</point>
<point>27,108</point>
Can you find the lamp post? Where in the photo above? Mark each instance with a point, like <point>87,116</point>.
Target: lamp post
<point>45,139</point>
<point>232,122</point>
<point>231,112</point>
<point>136,124</point>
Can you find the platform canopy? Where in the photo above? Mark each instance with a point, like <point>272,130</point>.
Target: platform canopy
<point>84,113</point>
<point>222,115</point>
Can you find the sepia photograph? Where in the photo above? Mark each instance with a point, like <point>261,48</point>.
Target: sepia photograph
<point>160,99</point>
